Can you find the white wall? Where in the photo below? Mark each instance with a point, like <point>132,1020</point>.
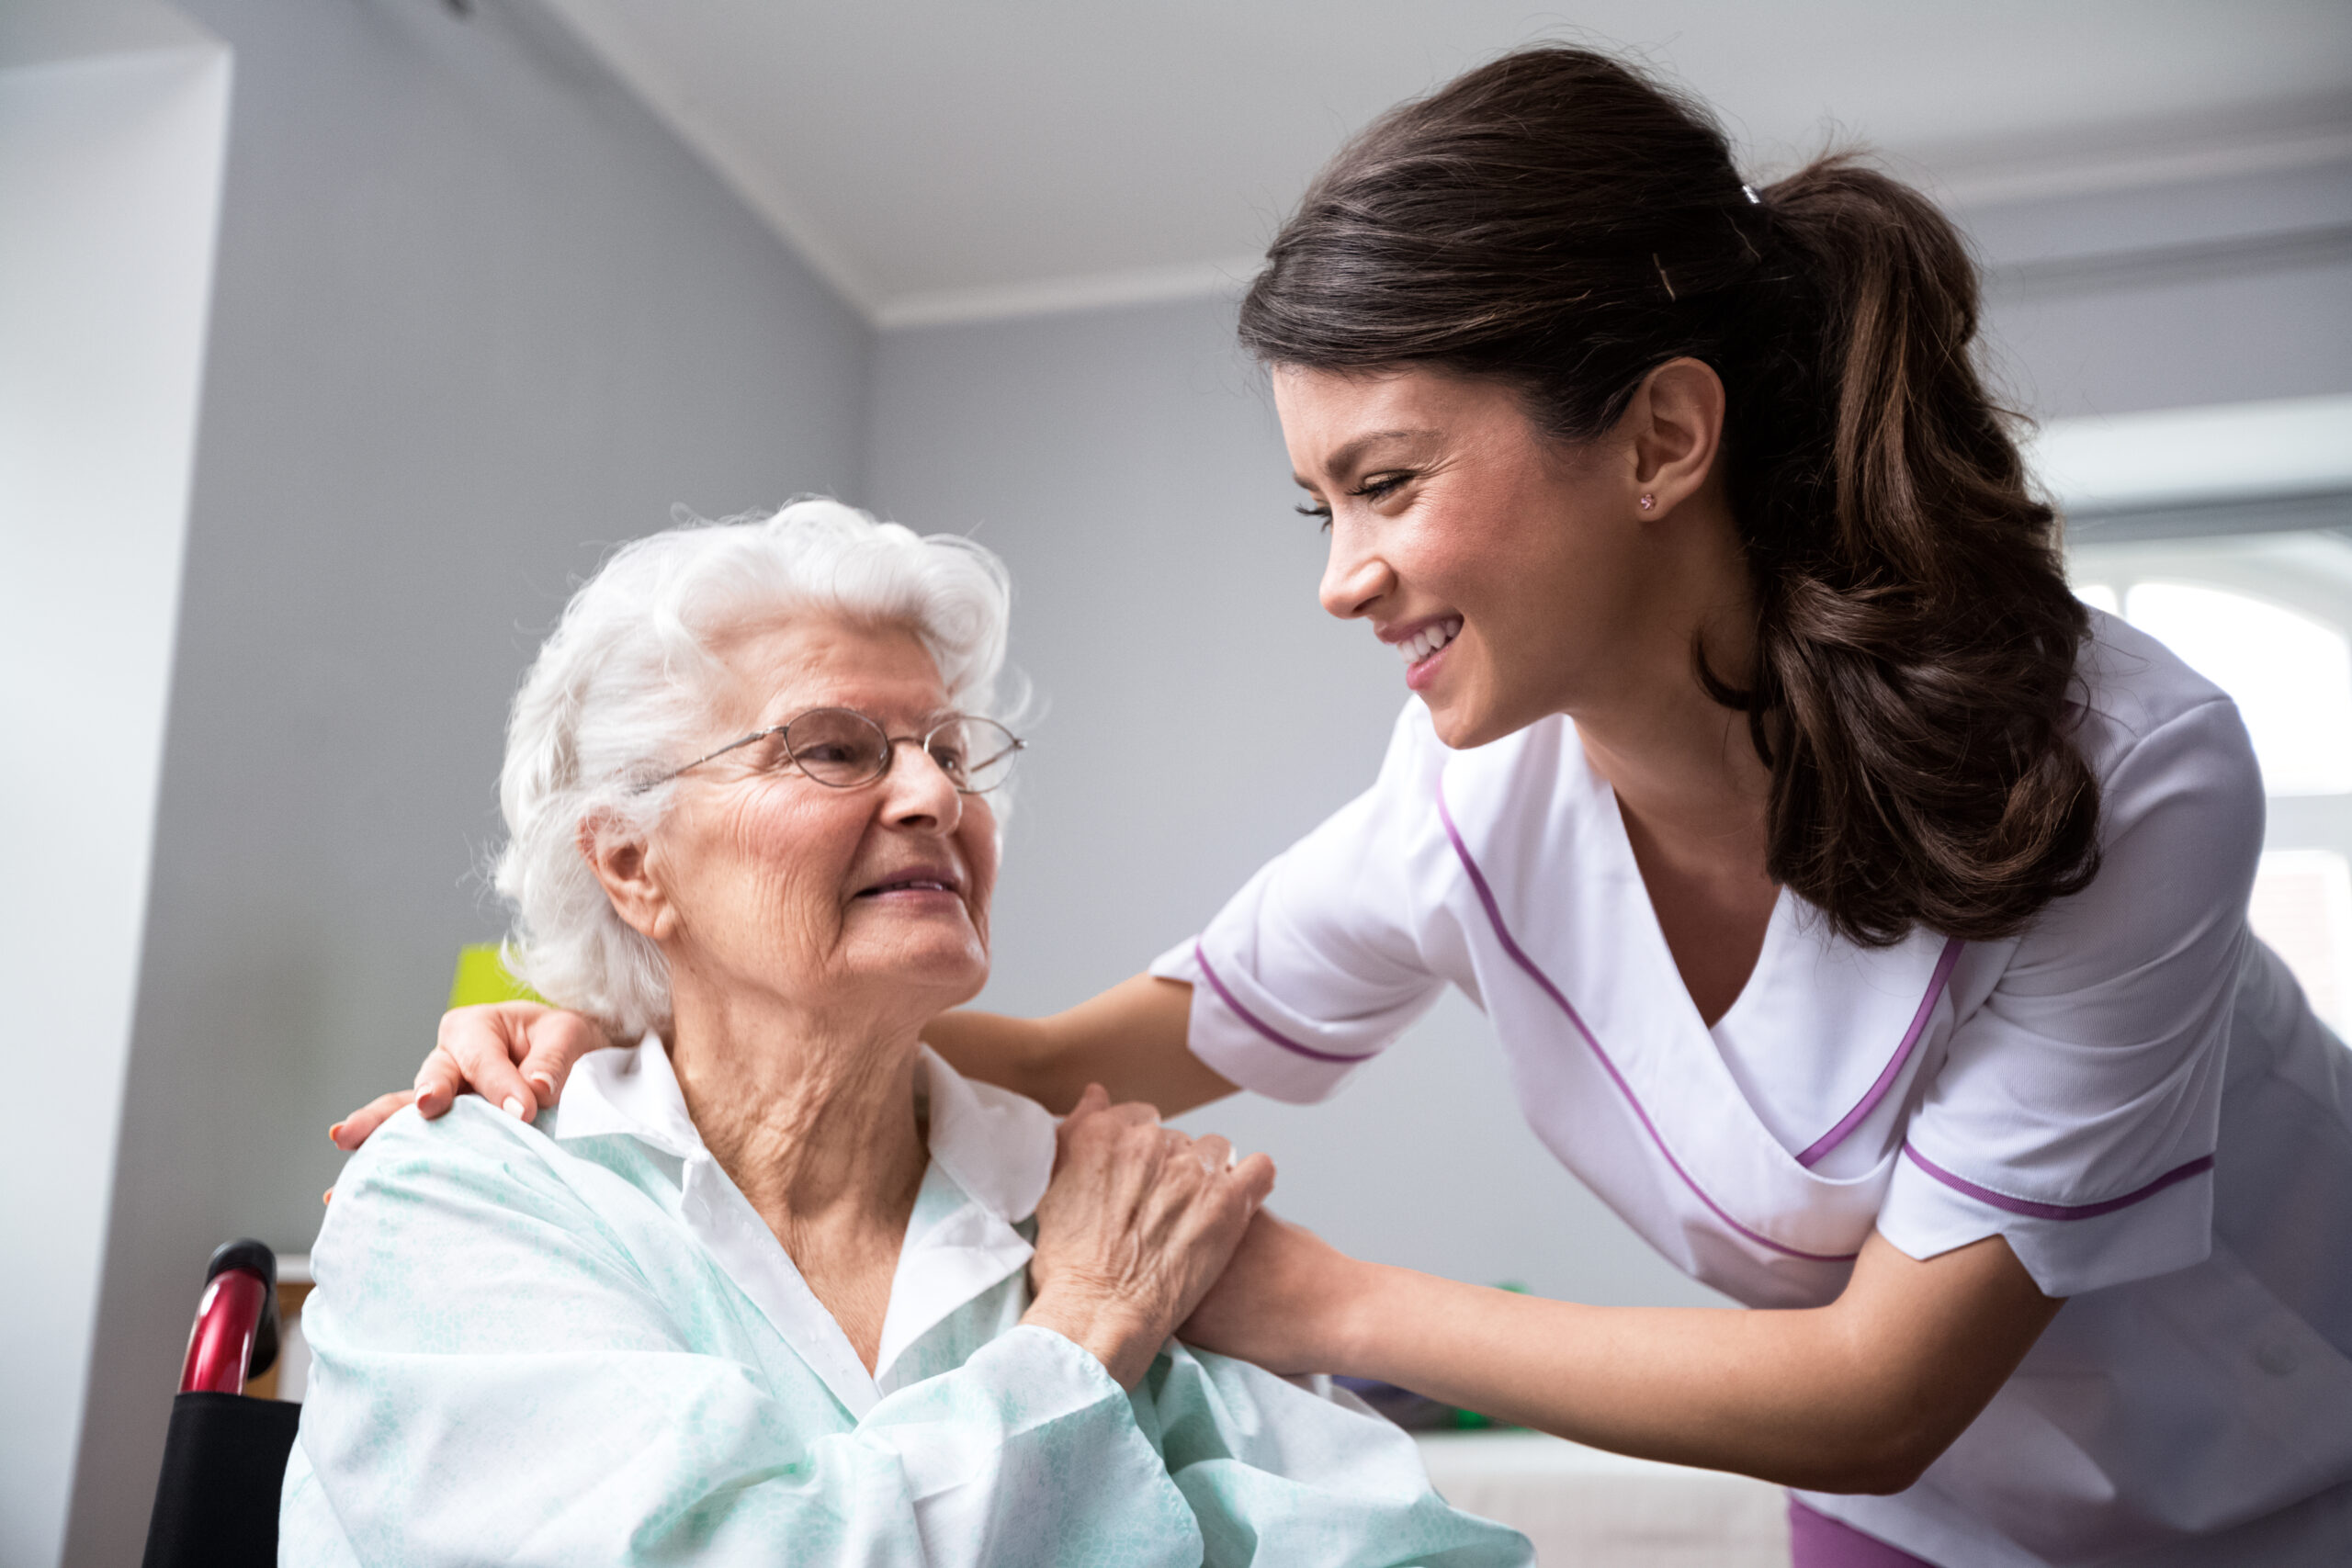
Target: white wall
<point>1204,711</point>
<point>111,130</point>
<point>477,316</point>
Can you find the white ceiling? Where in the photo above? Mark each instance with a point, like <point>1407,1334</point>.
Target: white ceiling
<point>950,159</point>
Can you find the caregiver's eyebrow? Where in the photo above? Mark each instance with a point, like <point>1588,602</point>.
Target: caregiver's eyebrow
<point>1345,460</point>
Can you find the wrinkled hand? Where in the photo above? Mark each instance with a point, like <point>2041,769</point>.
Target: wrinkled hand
<point>1138,1221</point>
<point>1286,1301</point>
<point>515,1054</point>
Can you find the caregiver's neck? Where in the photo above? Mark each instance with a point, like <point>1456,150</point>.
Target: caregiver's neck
<point>810,1111</point>
<point>1680,762</point>
<point>1690,789</point>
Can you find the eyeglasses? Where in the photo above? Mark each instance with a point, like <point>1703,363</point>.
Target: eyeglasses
<point>842,749</point>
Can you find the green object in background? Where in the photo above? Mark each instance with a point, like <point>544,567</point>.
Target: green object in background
<point>482,977</point>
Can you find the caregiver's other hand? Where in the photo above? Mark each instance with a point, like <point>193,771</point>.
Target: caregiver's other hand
<point>1137,1221</point>
<point>1285,1301</point>
<point>514,1055</point>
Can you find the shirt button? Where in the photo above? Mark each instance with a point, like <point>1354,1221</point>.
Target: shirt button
<point>2276,1359</point>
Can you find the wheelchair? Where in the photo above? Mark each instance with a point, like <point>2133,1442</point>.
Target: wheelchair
<point>224,1456</point>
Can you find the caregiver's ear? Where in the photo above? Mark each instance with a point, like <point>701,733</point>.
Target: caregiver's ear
<point>619,856</point>
<point>1673,428</point>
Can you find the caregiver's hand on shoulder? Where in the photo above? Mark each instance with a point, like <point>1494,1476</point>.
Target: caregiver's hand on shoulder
<point>514,1055</point>
<point>1285,1301</point>
<point>1138,1223</point>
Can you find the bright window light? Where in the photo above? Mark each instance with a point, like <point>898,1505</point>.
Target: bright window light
<point>2098,596</point>
<point>2302,907</point>
<point>2290,676</point>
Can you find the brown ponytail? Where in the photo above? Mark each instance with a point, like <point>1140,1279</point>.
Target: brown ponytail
<point>1555,221</point>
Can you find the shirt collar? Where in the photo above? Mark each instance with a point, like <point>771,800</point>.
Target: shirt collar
<point>998,1146</point>
<point>995,1147</point>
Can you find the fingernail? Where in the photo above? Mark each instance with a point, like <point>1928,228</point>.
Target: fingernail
<point>544,1083</point>
<point>335,1134</point>
<point>513,1107</point>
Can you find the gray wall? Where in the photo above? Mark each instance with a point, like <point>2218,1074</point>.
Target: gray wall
<point>1203,711</point>
<point>476,315</point>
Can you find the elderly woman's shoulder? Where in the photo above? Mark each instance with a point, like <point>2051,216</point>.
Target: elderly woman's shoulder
<point>472,1142</point>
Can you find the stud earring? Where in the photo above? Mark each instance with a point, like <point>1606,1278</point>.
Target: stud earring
<point>1648,502</point>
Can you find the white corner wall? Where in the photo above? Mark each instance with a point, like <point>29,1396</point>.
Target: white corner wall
<point>476,318</point>
<point>111,170</point>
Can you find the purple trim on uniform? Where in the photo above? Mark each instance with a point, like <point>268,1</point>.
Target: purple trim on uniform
<point>1816,1540</point>
<point>1259,1024</point>
<point>1868,1102</point>
<point>1502,934</point>
<point>2031,1210</point>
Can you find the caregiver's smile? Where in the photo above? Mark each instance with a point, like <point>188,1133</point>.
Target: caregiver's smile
<point>1429,484</point>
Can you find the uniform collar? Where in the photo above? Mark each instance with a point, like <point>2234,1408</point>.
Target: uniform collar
<point>994,1149</point>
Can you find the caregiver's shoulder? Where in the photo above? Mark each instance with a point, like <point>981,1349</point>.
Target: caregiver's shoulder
<point>2132,688</point>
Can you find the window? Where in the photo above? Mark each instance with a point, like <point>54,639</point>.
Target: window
<point>2266,617</point>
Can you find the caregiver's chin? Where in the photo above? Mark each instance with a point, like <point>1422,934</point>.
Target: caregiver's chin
<point>1553,589</point>
<point>1429,481</point>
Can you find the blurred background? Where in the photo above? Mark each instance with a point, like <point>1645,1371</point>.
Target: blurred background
<point>339,338</point>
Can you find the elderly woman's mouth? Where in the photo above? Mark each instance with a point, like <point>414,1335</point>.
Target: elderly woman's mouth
<point>924,881</point>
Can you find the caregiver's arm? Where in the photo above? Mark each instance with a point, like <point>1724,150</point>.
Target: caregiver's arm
<point>1131,1040</point>
<point>1859,1395</point>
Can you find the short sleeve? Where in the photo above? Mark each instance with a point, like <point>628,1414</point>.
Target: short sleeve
<point>2076,1110</point>
<point>1316,966</point>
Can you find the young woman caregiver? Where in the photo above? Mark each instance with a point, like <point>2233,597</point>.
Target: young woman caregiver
<point>1863,916</point>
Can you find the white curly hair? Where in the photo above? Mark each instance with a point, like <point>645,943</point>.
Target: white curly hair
<point>622,688</point>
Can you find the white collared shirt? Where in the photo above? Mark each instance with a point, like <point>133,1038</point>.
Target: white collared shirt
<point>2132,1092</point>
<point>992,1154</point>
<point>578,1343</point>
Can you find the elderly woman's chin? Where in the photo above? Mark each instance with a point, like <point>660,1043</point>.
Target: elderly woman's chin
<point>929,941</point>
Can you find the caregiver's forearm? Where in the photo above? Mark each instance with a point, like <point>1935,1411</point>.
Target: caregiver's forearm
<point>1860,1395</point>
<point>1131,1040</point>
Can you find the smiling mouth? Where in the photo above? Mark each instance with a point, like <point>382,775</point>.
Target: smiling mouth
<point>1429,639</point>
<point>917,882</point>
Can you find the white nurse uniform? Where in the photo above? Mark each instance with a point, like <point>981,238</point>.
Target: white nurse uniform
<point>2134,1092</point>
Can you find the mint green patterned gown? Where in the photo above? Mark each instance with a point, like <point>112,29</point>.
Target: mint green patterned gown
<point>577,1344</point>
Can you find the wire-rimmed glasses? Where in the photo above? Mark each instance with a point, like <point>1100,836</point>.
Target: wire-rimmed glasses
<point>843,748</point>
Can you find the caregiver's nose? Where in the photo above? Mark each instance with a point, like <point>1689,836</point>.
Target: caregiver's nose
<point>1352,581</point>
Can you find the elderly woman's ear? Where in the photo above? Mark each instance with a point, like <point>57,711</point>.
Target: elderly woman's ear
<point>624,864</point>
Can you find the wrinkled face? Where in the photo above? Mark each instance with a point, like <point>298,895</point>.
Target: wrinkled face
<point>776,883</point>
<point>1507,571</point>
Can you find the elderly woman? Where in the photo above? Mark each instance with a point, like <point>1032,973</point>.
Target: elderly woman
<point>776,1284</point>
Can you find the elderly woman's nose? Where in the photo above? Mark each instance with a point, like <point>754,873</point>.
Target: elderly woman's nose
<point>919,791</point>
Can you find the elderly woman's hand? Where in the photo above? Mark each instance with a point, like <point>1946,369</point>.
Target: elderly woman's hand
<point>514,1055</point>
<point>1137,1223</point>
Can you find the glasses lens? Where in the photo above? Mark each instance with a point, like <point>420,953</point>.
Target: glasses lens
<point>978,753</point>
<point>837,747</point>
